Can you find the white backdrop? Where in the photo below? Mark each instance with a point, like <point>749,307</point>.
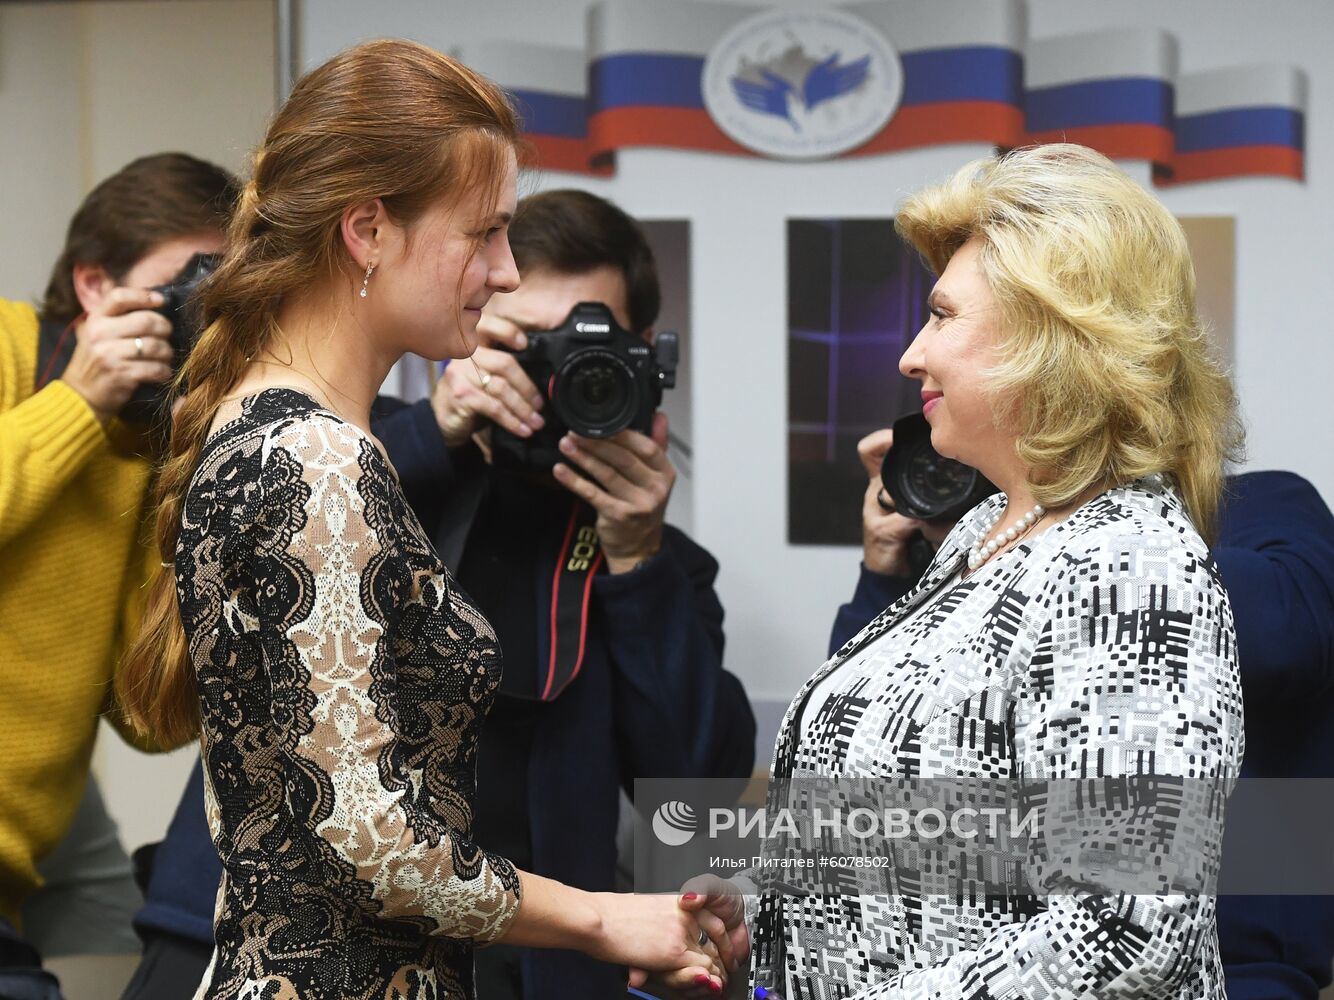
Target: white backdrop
<point>780,599</point>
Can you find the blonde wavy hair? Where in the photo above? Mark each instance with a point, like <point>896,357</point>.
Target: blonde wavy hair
<point>1105,372</point>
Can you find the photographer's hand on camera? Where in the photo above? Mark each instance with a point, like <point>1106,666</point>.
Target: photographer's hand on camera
<point>121,345</point>
<point>509,398</point>
<point>633,482</point>
<point>885,533</point>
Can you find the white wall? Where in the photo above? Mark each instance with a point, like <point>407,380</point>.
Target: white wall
<point>41,162</point>
<point>194,75</point>
<point>85,88</point>
<point>779,599</point>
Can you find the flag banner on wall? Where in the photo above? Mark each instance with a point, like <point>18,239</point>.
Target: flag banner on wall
<point>886,75</point>
<point>549,87</point>
<point>1242,120</point>
<point>1111,90</point>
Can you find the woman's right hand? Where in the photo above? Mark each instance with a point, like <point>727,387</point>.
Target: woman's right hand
<point>654,934</point>
<point>720,910</point>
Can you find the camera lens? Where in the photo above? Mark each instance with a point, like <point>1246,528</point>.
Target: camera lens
<point>595,393</point>
<point>925,484</point>
<point>936,483</point>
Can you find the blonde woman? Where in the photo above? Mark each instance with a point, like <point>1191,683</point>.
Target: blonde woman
<point>338,674</point>
<point>1072,632</point>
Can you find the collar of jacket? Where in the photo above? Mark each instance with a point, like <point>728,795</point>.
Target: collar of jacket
<point>1153,490</point>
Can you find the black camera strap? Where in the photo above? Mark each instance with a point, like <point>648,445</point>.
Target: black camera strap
<point>55,346</point>
<point>577,563</point>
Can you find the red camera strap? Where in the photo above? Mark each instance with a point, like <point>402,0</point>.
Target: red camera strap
<point>577,563</point>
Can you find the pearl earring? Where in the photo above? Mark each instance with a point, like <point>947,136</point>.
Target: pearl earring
<point>367,280</point>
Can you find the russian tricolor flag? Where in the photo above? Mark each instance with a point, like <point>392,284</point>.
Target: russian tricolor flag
<point>968,76</point>
<point>1109,90</point>
<point>646,62</point>
<point>1247,120</point>
<point>962,72</point>
<point>549,88</point>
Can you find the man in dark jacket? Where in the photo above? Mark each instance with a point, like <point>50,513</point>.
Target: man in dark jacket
<point>620,678</point>
<point>1275,551</point>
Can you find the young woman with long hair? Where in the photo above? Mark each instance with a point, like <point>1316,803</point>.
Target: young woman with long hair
<point>307,629</point>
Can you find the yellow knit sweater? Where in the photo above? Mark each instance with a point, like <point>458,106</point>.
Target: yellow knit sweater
<point>73,562</point>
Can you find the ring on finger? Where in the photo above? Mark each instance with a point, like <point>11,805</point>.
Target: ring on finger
<point>138,347</point>
<point>486,380</point>
<point>703,938</point>
<point>886,504</point>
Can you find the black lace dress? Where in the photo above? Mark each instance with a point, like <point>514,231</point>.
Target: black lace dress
<point>343,681</point>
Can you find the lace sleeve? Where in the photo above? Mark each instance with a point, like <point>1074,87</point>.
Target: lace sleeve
<point>358,635</point>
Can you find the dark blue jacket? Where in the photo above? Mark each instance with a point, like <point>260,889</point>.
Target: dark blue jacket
<point>1276,553</point>
<point>651,701</point>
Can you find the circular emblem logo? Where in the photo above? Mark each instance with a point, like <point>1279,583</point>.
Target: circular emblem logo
<point>802,85</point>
<point>674,823</point>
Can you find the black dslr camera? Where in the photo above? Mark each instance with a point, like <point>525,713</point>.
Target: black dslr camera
<point>598,380</point>
<point>923,483</point>
<point>146,406</point>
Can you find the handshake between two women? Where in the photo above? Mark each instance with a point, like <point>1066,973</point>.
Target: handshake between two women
<point>679,947</point>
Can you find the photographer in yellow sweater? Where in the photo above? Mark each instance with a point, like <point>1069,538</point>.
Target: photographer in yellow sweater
<point>74,474</point>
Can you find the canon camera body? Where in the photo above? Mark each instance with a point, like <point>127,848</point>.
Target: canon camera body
<point>598,379</point>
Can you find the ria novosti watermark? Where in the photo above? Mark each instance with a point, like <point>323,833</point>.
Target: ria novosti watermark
<point>1144,834</point>
<point>674,823</point>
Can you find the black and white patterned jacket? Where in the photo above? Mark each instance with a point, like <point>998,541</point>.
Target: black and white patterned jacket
<point>1102,649</point>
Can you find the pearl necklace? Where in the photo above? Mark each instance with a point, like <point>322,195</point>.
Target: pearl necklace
<point>982,551</point>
